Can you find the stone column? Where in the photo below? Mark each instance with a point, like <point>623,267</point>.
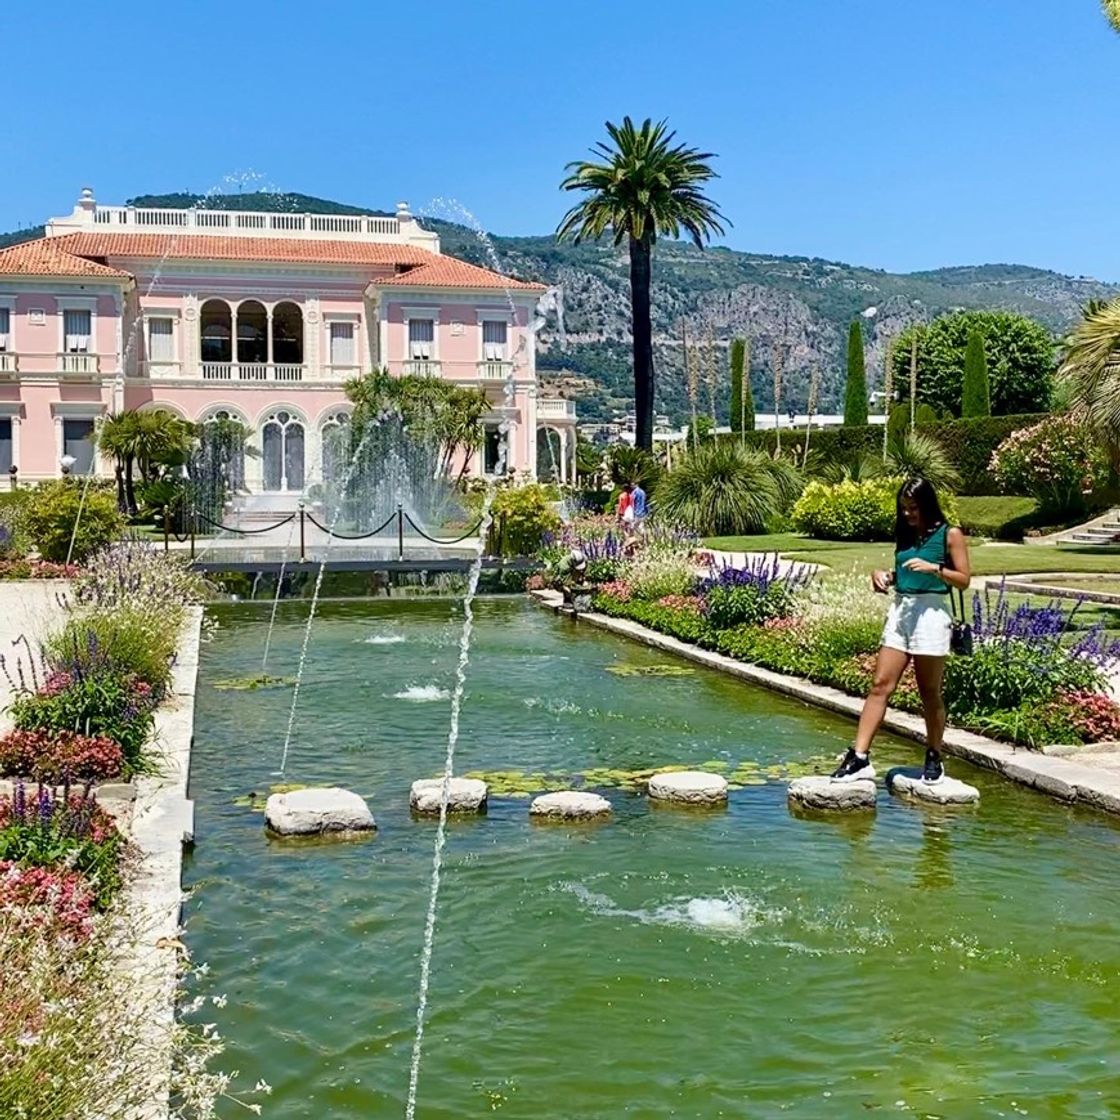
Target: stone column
<point>268,338</point>
<point>233,338</point>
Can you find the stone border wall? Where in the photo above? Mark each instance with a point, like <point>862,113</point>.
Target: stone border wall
<point>1060,777</point>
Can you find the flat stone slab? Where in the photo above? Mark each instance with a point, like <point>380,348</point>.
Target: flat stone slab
<point>317,812</point>
<point>948,791</point>
<point>690,787</point>
<point>819,792</point>
<point>464,795</point>
<point>569,804</point>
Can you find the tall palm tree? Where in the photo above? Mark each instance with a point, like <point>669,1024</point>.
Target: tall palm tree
<point>640,187</point>
<point>1090,371</point>
<point>117,436</point>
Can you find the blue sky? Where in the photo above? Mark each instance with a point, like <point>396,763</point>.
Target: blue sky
<point>892,133</point>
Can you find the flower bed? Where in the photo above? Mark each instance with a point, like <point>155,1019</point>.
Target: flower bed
<point>1034,678</point>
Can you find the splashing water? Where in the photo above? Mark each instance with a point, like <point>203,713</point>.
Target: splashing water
<point>314,607</point>
<point>276,598</point>
<point>421,693</point>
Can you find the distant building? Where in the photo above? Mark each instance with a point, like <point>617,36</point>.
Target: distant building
<point>260,317</point>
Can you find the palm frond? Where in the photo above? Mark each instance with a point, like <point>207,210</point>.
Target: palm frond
<point>1090,371</point>
<point>920,456</point>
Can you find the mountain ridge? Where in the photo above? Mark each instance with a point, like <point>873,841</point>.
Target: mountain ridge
<point>795,309</point>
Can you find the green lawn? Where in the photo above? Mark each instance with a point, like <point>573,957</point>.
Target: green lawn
<point>987,559</point>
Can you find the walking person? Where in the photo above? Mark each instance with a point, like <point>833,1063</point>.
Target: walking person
<point>638,500</point>
<point>625,510</point>
<point>930,562</point>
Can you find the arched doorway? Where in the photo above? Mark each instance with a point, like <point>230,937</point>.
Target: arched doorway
<point>221,437</point>
<point>551,465</point>
<point>216,329</point>
<point>282,448</point>
<point>336,446</point>
<point>252,333</point>
<point>287,334</point>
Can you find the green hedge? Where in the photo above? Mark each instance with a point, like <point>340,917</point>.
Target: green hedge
<point>970,443</point>
<point>831,443</point>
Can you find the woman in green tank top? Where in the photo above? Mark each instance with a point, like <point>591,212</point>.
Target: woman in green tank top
<point>930,560</point>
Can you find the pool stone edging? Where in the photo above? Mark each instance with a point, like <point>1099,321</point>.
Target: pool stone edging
<point>1057,776</point>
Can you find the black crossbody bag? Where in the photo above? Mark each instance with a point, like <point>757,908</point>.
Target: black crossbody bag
<point>960,640</point>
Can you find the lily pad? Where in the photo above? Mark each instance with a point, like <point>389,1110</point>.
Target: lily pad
<point>252,684</point>
<point>255,800</point>
<point>621,669</point>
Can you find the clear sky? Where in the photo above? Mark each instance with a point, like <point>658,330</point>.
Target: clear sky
<point>901,134</point>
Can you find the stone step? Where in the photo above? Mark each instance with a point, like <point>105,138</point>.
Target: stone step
<point>826,794</point>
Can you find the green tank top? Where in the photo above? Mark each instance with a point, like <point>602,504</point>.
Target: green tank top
<point>935,549</point>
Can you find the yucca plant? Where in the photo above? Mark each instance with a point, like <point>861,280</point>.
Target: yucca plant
<point>722,488</point>
<point>920,456</point>
<point>1090,371</point>
<point>858,467</point>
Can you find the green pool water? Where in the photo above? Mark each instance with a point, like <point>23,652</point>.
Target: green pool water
<point>737,963</point>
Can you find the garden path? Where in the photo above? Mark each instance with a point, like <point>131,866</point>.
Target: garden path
<point>28,608</point>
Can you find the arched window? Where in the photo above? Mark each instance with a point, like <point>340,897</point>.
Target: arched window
<point>336,446</point>
<point>282,449</point>
<point>287,334</point>
<point>252,333</point>
<point>221,448</point>
<point>550,455</point>
<point>216,327</point>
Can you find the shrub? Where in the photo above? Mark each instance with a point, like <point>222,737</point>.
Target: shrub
<point>969,443</point>
<point>847,511</point>
<point>68,510</point>
<point>855,390</point>
<point>917,455</point>
<point>1020,359</point>
<point>523,515</point>
<point>752,595</point>
<point>13,537</point>
<point>124,642</point>
<point>60,900</point>
<point>975,392</point>
<point>36,569</point>
<point>1094,716</point>
<point>722,488</point>
<point>70,831</point>
<point>97,704</point>
<point>59,756</point>
<point>138,575</point>
<point>655,574</point>
<point>1058,462</point>
<point>826,444</point>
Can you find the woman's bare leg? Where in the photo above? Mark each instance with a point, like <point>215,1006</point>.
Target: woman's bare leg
<point>888,672</point>
<point>929,671</point>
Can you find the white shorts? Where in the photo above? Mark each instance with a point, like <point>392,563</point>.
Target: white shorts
<point>921,624</point>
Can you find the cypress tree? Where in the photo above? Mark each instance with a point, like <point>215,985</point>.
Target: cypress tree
<point>747,409</point>
<point>738,348</point>
<point>975,396</point>
<point>855,393</point>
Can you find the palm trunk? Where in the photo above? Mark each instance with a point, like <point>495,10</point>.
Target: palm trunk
<point>129,489</point>
<point>640,254</point>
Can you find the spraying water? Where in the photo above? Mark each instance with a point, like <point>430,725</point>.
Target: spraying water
<point>315,605</point>
<point>276,598</point>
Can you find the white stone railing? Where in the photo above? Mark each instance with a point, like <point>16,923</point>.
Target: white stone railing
<point>253,371</point>
<point>78,363</point>
<point>9,363</point>
<point>553,408</point>
<point>248,223</point>
<point>422,367</point>
<point>494,370</point>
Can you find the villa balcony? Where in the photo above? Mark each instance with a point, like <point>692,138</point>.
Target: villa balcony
<point>491,370</point>
<point>79,365</point>
<point>250,371</point>
<point>423,367</point>
<point>555,410</point>
<point>9,364</point>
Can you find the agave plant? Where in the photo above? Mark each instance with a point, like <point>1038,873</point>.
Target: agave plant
<point>723,488</point>
<point>921,456</point>
<point>1090,370</point>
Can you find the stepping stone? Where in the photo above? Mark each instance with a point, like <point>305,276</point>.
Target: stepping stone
<point>948,791</point>
<point>689,787</point>
<point>569,804</point>
<point>822,792</point>
<point>318,812</point>
<point>464,795</point>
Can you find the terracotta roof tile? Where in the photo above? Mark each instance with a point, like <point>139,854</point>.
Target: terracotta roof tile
<point>450,272</point>
<point>45,257</point>
<point>216,247</point>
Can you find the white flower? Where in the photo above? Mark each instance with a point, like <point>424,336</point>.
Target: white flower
<point>263,1086</point>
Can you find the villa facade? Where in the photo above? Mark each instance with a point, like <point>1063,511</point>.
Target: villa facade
<point>261,317</point>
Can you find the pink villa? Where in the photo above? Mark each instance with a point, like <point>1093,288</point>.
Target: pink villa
<point>261,317</point>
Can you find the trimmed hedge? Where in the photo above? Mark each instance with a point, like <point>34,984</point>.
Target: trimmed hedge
<point>971,441</point>
<point>830,443</point>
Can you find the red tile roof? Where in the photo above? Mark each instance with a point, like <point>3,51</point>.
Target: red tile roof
<point>450,272</point>
<point>212,247</point>
<point>65,256</point>
<point>46,257</point>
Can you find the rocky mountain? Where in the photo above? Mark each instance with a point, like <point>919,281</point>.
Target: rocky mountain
<point>795,311</point>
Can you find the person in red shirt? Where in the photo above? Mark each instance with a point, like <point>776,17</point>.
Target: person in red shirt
<point>625,509</point>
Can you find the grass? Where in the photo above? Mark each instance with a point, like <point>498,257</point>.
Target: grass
<point>987,559</point>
